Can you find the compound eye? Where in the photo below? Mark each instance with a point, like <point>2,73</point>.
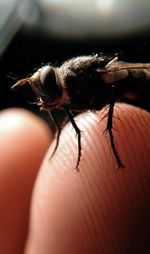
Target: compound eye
<point>50,90</point>
<point>48,80</point>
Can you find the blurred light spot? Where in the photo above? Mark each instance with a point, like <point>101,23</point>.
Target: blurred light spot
<point>28,12</point>
<point>105,6</point>
<point>9,121</point>
<point>48,2</point>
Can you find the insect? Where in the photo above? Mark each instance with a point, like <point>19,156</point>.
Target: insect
<point>89,83</point>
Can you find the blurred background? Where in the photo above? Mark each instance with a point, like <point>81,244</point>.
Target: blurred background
<point>36,32</point>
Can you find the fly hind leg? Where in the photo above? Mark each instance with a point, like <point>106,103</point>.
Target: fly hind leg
<point>109,128</point>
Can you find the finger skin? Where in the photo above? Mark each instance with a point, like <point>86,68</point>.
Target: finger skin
<point>99,209</point>
<point>24,140</point>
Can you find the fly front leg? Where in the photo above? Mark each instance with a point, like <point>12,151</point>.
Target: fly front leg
<point>109,128</point>
<point>78,132</point>
<point>58,127</point>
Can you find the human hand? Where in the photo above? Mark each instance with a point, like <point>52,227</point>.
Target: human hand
<point>99,209</point>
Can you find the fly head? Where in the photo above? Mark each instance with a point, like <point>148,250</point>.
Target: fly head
<point>45,85</point>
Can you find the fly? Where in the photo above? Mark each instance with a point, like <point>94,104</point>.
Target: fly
<point>89,83</point>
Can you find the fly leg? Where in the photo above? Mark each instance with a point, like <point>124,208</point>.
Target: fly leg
<point>58,127</point>
<point>78,132</point>
<point>109,128</point>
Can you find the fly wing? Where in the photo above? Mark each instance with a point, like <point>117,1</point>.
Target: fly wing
<point>115,65</point>
<point>136,76</point>
<point>116,70</point>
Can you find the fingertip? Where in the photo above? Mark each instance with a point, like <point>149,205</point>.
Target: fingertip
<point>96,207</point>
<point>20,131</point>
<point>24,139</point>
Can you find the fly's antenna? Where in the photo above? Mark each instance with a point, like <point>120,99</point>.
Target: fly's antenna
<point>12,76</point>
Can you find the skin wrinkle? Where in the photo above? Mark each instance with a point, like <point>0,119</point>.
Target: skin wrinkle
<point>85,223</point>
<point>88,155</point>
<point>112,191</point>
<point>138,140</point>
<point>83,206</point>
<point>91,188</point>
<point>90,219</point>
<point>72,149</point>
<point>96,141</point>
<point>72,143</point>
<point>101,208</point>
<point>130,146</point>
<point>144,121</point>
<point>140,130</point>
<point>124,144</point>
<point>102,213</point>
<point>84,202</point>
